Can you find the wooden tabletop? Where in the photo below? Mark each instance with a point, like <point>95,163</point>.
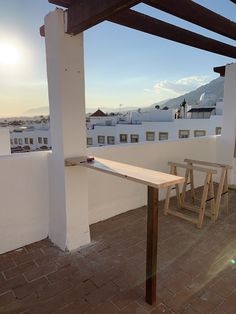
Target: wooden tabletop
<point>145,176</point>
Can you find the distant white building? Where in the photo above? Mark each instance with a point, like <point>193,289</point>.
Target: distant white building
<point>155,125</point>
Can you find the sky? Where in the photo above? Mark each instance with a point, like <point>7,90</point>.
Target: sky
<point>123,67</point>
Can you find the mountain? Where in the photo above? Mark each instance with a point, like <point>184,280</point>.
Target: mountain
<point>215,87</point>
<point>37,111</point>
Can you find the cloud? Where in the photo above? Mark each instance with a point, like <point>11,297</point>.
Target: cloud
<point>181,86</point>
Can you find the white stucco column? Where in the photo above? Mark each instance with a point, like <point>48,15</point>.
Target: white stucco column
<point>68,187</point>
<point>226,144</point>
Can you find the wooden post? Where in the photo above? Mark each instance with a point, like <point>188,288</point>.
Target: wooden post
<point>152,234</point>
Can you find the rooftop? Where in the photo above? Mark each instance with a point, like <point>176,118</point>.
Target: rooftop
<point>196,270</point>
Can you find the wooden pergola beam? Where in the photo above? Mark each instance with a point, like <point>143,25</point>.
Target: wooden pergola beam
<point>62,3</point>
<point>83,14</point>
<point>234,1</point>
<point>197,14</point>
<point>220,70</point>
<point>150,25</point>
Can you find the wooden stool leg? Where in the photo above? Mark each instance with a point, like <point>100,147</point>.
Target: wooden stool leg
<point>220,191</point>
<point>179,201</point>
<point>167,200</point>
<point>203,200</point>
<point>226,194</point>
<point>185,185</point>
<point>212,200</point>
<point>192,183</point>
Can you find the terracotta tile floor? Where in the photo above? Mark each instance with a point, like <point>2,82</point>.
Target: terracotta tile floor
<point>196,270</point>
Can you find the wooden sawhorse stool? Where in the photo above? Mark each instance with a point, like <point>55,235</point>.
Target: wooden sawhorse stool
<point>223,187</point>
<point>208,189</point>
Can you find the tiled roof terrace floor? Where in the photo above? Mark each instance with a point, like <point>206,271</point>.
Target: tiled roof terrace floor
<point>196,270</point>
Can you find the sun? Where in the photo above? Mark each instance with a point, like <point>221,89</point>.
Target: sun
<point>9,54</point>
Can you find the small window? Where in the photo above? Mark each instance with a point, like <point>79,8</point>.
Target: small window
<point>20,141</point>
<point>150,136</point>
<point>184,133</point>
<point>123,138</point>
<point>26,140</point>
<point>163,136</point>
<point>101,139</point>
<point>134,138</point>
<point>45,141</point>
<point>40,140</point>
<point>11,141</point>
<point>31,141</point>
<point>89,141</point>
<point>198,133</point>
<point>111,140</point>
<point>108,122</point>
<point>15,141</point>
<point>218,130</point>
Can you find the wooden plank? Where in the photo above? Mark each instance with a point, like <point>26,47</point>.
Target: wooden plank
<point>195,209</point>
<point>197,14</point>
<point>150,25</point>
<point>184,166</point>
<point>234,1</point>
<point>151,254</point>
<point>220,70</point>
<point>83,14</point>
<point>61,3</point>
<point>208,163</point>
<point>183,216</point>
<point>145,176</point>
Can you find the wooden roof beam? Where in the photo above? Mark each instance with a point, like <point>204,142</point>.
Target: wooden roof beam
<point>196,14</point>
<point>220,70</point>
<point>61,3</point>
<point>234,1</point>
<point>150,25</point>
<point>83,14</point>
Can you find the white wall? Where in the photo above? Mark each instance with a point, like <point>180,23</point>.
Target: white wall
<point>109,196</point>
<point>172,128</point>
<point>24,185</point>
<point>24,206</point>
<point>5,147</point>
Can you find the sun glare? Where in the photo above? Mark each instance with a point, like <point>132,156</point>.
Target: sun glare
<point>9,54</point>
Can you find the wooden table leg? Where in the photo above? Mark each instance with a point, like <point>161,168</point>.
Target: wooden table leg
<point>152,233</point>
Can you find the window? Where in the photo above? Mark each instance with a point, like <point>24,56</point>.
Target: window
<point>20,141</point>
<point>26,140</point>
<point>184,133</point>
<point>108,122</point>
<point>11,141</point>
<point>40,140</point>
<point>198,133</point>
<point>218,130</point>
<point>89,141</point>
<point>31,141</point>
<point>111,140</point>
<point>163,136</point>
<point>134,138</point>
<point>150,136</point>
<point>101,139</point>
<point>123,138</point>
<point>15,141</point>
<point>45,141</point>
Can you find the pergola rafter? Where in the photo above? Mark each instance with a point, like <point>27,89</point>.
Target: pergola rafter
<point>197,14</point>
<point>83,14</point>
<point>150,25</point>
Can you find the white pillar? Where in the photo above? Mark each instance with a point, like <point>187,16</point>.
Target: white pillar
<point>69,228</point>
<point>226,145</point>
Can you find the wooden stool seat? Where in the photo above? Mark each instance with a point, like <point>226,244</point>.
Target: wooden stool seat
<point>207,195</point>
<point>223,187</point>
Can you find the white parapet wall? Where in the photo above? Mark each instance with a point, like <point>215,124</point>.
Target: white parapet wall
<point>5,146</point>
<point>24,213</point>
<point>109,195</point>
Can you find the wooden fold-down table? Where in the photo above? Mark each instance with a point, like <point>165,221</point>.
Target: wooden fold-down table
<point>154,180</point>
